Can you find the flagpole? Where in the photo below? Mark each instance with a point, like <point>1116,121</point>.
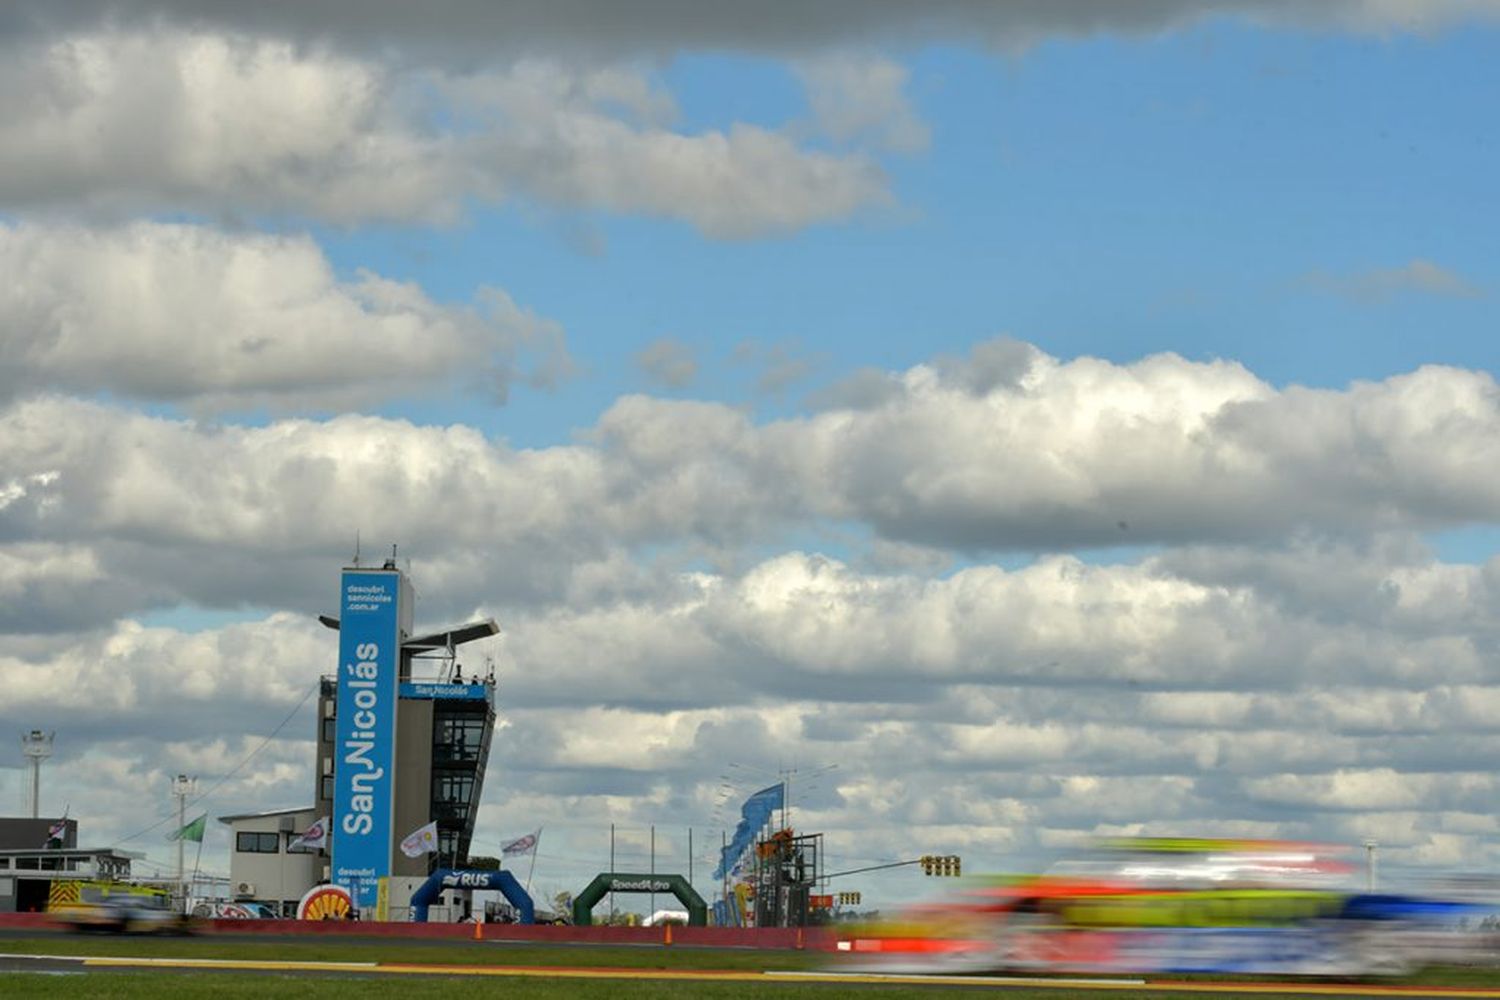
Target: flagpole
<point>786,784</point>
<point>536,846</point>
<point>187,902</point>
<point>181,822</point>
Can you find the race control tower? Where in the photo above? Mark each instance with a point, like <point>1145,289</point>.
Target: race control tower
<point>402,739</point>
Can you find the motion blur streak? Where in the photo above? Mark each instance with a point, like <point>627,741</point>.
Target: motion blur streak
<point>1190,906</point>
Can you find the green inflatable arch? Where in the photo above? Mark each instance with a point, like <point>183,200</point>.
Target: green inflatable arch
<point>606,882</point>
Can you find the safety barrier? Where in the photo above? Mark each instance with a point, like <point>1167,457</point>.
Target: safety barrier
<point>810,938</point>
<point>334,928</point>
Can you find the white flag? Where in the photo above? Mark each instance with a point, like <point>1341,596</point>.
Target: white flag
<point>521,845</point>
<point>57,831</point>
<point>314,836</point>
<point>420,841</point>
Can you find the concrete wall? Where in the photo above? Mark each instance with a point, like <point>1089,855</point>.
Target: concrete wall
<point>413,781</point>
<point>400,890</point>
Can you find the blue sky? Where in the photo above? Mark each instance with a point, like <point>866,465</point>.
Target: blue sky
<point>1028,406</point>
<point>1217,191</point>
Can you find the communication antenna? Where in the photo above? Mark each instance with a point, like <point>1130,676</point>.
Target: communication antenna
<point>37,747</point>
<point>356,548</point>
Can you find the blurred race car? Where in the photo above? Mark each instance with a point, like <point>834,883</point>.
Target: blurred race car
<point>120,912</point>
<point>1176,905</point>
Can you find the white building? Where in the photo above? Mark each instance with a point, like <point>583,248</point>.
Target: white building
<point>262,865</point>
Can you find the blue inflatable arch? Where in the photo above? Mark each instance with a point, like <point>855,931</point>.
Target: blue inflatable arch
<point>452,878</point>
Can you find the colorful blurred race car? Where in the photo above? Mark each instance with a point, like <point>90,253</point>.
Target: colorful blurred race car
<point>1179,905</point>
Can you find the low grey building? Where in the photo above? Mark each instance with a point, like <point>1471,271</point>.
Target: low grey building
<point>33,863</point>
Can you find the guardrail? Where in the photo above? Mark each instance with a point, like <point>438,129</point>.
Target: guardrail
<point>811,938</point>
<point>788,938</point>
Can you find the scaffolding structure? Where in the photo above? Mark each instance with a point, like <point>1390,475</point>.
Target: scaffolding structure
<point>787,869</point>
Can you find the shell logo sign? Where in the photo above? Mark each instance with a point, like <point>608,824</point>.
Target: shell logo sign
<point>325,902</point>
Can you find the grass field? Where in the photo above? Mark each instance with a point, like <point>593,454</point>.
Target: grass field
<point>418,951</point>
<point>158,984</point>
<point>138,986</point>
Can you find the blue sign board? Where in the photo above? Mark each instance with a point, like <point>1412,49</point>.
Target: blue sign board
<point>433,691</point>
<point>364,766</point>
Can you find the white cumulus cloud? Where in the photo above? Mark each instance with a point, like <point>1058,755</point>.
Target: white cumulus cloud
<point>219,320</point>
<point>227,124</point>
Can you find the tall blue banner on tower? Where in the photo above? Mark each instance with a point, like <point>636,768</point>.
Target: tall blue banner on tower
<point>754,814</point>
<point>370,623</point>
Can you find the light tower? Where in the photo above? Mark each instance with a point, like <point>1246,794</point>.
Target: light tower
<point>37,746</point>
<point>182,788</point>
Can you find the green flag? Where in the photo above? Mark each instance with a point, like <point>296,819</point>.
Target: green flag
<point>192,831</point>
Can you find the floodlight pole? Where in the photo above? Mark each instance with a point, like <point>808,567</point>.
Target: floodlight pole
<point>37,747</point>
<point>182,787</point>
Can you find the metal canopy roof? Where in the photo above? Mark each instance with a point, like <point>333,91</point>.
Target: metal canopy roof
<point>446,639</point>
